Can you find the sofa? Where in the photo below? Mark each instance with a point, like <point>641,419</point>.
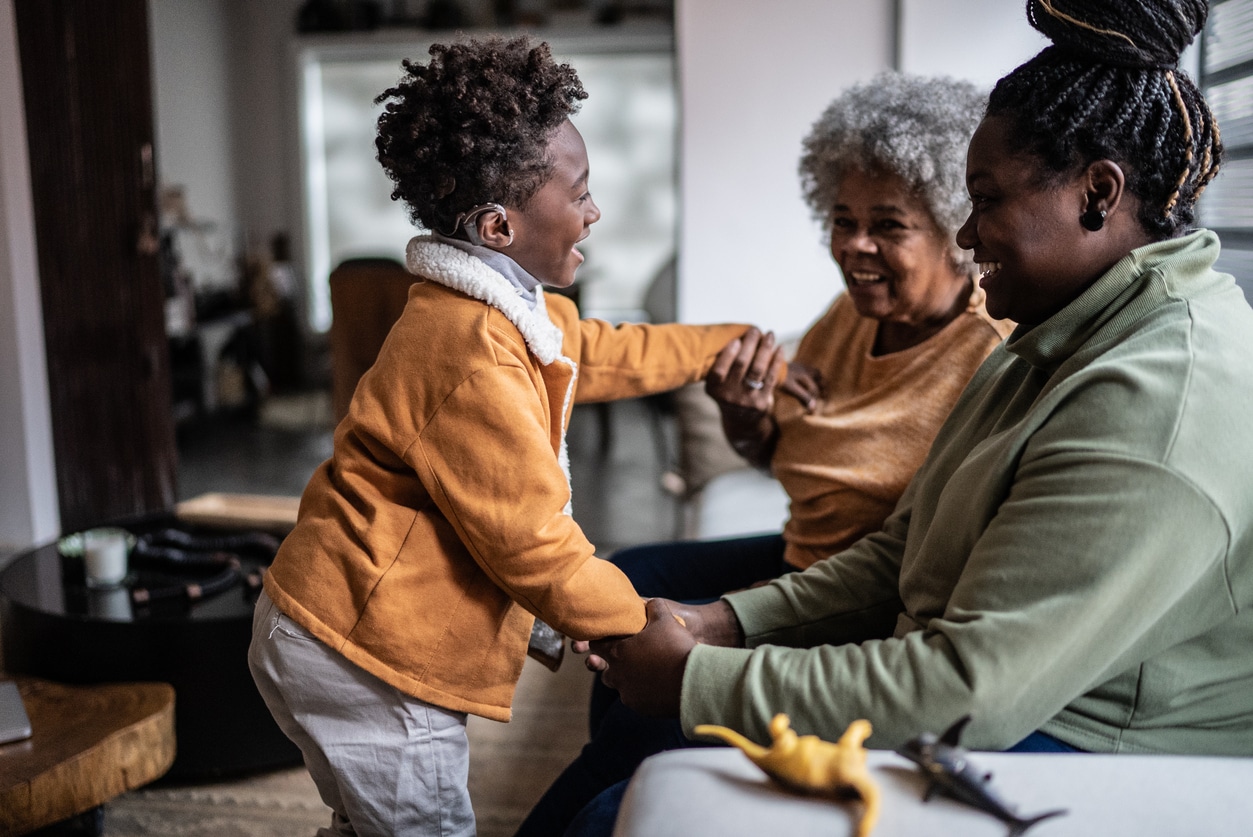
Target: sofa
<point>723,495</point>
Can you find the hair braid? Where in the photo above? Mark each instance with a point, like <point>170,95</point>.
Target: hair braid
<point>1187,145</point>
<point>1109,88</point>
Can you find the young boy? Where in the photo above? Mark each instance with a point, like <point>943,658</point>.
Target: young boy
<point>440,527</point>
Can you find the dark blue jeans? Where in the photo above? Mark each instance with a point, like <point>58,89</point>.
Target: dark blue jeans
<point>598,817</point>
<point>701,571</point>
<point>624,739</point>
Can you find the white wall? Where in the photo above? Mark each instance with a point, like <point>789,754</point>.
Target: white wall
<point>267,155</point>
<point>750,87</point>
<point>976,40</point>
<point>191,53</point>
<point>28,498</point>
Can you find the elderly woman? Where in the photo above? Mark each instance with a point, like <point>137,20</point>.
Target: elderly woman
<point>871,382</point>
<point>873,379</point>
<point>1072,565</point>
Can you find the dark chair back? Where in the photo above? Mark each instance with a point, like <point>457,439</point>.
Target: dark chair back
<point>367,296</point>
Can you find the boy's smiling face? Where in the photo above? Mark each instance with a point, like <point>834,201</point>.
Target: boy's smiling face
<point>558,216</point>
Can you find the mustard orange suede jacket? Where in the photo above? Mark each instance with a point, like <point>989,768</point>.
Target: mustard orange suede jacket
<point>441,523</point>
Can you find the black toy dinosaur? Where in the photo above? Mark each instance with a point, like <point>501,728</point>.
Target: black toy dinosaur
<point>949,771</point>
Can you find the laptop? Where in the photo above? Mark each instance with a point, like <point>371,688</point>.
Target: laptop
<point>14,725</point>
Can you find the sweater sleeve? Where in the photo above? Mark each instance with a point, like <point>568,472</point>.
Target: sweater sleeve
<point>488,461</point>
<point>1071,585</point>
<point>850,596</point>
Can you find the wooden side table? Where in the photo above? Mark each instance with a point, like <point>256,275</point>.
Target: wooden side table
<point>88,745</point>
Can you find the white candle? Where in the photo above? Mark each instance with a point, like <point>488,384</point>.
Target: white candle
<point>104,552</point>
<point>111,603</point>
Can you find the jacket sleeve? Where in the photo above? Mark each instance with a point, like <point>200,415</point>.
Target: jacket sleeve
<point>637,359</point>
<point>487,460</point>
<point>1070,586</point>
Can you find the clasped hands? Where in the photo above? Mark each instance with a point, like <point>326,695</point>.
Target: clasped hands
<point>647,668</point>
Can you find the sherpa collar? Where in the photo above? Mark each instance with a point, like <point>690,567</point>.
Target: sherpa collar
<point>456,269</point>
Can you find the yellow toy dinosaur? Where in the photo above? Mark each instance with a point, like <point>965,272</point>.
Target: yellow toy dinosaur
<point>807,764</point>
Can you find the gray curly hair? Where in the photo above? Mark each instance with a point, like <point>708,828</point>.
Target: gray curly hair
<point>915,127</point>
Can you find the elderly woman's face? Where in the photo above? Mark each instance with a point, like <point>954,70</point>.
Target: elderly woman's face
<point>896,262</point>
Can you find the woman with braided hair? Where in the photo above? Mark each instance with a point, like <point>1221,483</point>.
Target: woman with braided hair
<point>1072,566</point>
<point>440,526</point>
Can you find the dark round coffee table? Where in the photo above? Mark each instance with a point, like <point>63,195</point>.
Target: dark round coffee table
<point>55,628</point>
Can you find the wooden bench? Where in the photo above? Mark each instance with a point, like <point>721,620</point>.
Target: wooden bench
<point>88,745</point>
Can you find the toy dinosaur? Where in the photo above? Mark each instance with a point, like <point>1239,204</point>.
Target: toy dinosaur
<point>949,771</point>
<point>807,764</point>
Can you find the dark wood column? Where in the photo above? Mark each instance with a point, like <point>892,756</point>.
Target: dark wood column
<point>88,91</point>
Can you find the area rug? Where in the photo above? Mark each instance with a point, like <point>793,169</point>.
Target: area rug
<point>510,767</point>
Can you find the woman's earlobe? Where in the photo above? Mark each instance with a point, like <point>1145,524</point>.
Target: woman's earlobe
<point>1093,220</point>
<point>1105,184</point>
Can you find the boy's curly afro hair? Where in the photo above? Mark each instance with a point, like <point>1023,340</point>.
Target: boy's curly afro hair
<point>473,126</point>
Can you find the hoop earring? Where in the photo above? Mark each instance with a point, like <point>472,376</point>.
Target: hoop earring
<point>1093,220</point>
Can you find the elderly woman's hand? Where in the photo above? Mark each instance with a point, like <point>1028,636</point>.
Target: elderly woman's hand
<point>804,383</point>
<point>742,381</point>
<point>745,372</point>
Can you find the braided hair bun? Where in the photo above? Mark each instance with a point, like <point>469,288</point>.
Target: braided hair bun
<point>1109,89</point>
<point>1126,33</point>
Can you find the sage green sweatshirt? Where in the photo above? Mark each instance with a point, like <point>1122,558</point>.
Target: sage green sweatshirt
<point>1075,555</point>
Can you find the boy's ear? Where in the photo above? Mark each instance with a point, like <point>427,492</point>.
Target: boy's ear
<point>494,230</point>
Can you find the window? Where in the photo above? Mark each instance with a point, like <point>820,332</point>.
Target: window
<point>1227,81</point>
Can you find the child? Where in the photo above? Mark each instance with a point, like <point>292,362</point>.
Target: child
<point>441,525</point>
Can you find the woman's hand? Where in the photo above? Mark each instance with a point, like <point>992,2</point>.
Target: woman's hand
<point>742,381</point>
<point>745,372</point>
<point>804,383</point>
<point>647,669</point>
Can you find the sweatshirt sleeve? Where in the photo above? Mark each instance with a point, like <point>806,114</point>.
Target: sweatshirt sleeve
<point>487,460</point>
<point>1070,587</point>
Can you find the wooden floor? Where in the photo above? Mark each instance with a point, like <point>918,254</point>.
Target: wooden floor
<point>616,465</point>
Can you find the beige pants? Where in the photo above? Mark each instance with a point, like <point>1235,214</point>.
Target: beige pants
<point>384,762</point>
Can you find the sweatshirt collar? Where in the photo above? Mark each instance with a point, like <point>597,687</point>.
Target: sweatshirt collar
<point>524,282</point>
<point>455,268</point>
<point>1123,291</point>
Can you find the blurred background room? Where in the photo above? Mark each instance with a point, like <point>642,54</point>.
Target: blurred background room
<point>177,189</point>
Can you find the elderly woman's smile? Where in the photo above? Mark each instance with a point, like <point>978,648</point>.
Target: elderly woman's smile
<point>897,263</point>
